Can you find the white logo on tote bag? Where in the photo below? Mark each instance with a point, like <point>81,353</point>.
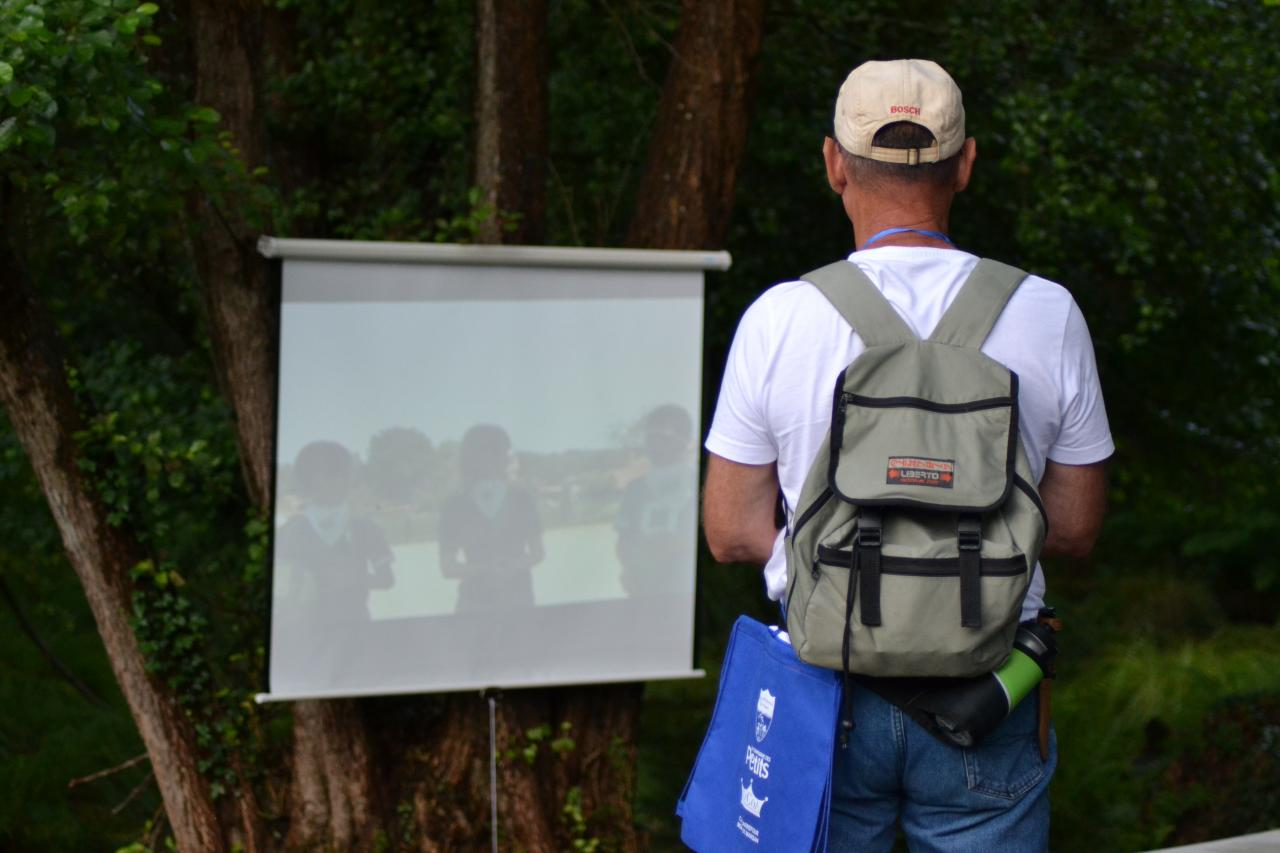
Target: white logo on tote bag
<point>750,801</point>
<point>764,714</point>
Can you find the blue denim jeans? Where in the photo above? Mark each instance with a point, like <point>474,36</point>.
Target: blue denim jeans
<point>989,799</point>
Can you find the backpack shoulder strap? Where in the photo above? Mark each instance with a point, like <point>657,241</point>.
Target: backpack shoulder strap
<point>860,303</point>
<point>977,306</point>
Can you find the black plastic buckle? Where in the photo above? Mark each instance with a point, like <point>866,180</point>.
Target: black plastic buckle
<point>969,534</point>
<point>869,532</point>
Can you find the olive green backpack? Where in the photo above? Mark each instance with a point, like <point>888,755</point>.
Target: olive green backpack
<point>918,526</point>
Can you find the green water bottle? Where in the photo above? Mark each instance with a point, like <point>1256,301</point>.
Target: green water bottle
<point>966,712</point>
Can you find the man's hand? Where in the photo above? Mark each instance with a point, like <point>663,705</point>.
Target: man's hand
<point>738,510</point>
<point>1074,498</point>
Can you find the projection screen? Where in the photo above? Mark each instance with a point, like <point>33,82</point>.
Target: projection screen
<point>486,466</point>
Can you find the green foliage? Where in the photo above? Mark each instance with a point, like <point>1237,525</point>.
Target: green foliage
<point>528,748</point>
<point>1231,778</point>
<point>376,106</point>
<point>575,820</point>
<point>1121,720</point>
<point>74,80</point>
<point>164,463</point>
<point>1139,170</point>
<point>93,150</point>
<point>604,91</point>
<point>50,733</point>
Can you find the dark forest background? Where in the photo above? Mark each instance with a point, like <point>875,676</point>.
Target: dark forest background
<point>1126,149</point>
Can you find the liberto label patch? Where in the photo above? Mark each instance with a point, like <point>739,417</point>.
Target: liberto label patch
<point>919,471</point>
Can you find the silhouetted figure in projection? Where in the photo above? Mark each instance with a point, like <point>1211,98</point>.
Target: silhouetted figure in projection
<point>656,522</point>
<point>490,535</point>
<point>335,557</point>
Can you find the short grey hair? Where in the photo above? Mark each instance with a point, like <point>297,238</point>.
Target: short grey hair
<point>900,134</point>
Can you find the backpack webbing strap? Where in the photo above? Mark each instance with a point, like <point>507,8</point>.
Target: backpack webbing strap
<point>866,560</point>
<point>861,304</point>
<point>969,539</point>
<point>978,304</point>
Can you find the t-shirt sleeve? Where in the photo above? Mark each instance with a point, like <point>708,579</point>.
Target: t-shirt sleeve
<point>739,429</point>
<point>1084,436</point>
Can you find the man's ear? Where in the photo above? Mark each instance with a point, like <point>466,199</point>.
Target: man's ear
<point>837,178</point>
<point>968,154</point>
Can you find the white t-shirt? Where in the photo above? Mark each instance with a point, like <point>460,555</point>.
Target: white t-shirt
<point>775,399</point>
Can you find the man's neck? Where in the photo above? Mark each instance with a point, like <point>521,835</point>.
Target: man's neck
<point>873,214</point>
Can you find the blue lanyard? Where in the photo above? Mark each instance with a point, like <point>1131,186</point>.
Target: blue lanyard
<point>937,235</point>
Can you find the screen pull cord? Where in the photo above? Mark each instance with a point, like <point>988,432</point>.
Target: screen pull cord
<point>492,696</point>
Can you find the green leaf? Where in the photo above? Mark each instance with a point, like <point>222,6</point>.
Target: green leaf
<point>18,97</point>
<point>147,9</point>
<point>206,115</point>
<point>7,135</point>
<point>6,73</point>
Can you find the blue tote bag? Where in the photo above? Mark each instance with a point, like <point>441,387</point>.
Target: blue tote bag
<point>762,779</point>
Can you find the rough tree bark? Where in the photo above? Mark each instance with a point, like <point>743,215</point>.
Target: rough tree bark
<point>511,117</point>
<point>239,297</point>
<point>42,410</point>
<point>686,192</point>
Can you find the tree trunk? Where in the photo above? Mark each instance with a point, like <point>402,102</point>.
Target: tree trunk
<point>240,297</point>
<point>42,410</point>
<point>686,192</point>
<point>511,118</point>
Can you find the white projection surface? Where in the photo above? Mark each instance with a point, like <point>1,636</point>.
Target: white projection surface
<point>486,467</point>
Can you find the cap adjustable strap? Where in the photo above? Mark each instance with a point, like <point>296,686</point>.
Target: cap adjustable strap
<point>906,156</point>
<point>969,539</point>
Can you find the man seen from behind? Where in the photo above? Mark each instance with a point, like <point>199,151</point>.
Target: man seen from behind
<point>897,158</point>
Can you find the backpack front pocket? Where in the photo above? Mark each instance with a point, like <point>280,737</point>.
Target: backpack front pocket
<point>915,452</point>
<point>920,602</point>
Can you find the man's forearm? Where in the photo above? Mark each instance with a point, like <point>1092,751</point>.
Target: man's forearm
<point>1074,498</point>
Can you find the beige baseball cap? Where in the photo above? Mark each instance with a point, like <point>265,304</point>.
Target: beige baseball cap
<point>917,90</point>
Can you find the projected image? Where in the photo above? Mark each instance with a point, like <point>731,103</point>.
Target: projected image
<point>490,535</point>
<point>472,525</point>
<point>458,457</point>
<point>484,475</point>
<point>331,559</point>
<point>657,515</point>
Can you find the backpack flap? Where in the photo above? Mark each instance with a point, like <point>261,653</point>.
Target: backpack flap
<point>924,425</point>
